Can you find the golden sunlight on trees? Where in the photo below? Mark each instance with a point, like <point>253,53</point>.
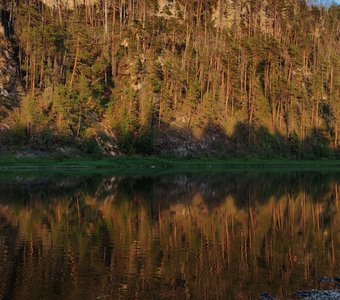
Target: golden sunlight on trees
<point>265,73</point>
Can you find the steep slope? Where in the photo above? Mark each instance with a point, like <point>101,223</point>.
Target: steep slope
<point>181,76</point>
<point>10,86</point>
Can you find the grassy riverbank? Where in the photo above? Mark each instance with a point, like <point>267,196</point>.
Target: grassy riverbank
<point>144,163</point>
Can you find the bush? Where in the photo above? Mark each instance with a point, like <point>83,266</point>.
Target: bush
<point>47,137</point>
<point>91,147</point>
<point>16,136</point>
<point>125,142</point>
<point>294,145</point>
<point>144,144</point>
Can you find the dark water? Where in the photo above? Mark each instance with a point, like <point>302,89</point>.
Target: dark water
<point>223,236</point>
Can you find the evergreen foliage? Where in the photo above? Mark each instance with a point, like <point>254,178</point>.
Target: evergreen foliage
<point>265,72</point>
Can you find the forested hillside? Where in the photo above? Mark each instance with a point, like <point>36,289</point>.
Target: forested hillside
<point>176,77</point>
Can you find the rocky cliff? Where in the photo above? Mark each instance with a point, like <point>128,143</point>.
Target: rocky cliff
<point>68,3</point>
<point>10,86</point>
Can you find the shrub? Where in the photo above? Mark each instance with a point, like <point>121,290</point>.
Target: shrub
<point>91,147</point>
<point>16,136</point>
<point>144,144</point>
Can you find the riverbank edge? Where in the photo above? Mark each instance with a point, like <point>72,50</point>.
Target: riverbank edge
<point>153,162</point>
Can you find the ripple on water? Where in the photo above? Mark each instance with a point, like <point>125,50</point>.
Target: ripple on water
<point>212,237</point>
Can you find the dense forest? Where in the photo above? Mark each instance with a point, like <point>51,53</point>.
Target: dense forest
<point>175,77</point>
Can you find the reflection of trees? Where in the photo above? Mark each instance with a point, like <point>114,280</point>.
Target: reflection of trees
<point>141,238</point>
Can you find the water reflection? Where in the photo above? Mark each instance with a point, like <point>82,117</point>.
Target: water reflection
<point>229,236</point>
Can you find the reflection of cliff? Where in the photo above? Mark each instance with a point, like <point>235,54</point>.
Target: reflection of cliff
<point>246,188</point>
<point>25,189</point>
<point>125,239</point>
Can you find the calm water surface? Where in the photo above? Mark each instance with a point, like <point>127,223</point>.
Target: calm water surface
<point>223,236</point>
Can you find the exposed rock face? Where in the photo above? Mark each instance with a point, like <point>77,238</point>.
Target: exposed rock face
<point>10,86</point>
<point>229,14</point>
<point>181,142</point>
<point>68,3</point>
<point>170,9</point>
<point>319,295</point>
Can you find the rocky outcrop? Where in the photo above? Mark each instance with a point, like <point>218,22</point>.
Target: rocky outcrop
<point>10,86</point>
<point>229,14</point>
<point>68,3</point>
<point>170,9</point>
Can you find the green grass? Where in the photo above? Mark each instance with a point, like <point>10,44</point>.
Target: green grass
<point>153,164</point>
